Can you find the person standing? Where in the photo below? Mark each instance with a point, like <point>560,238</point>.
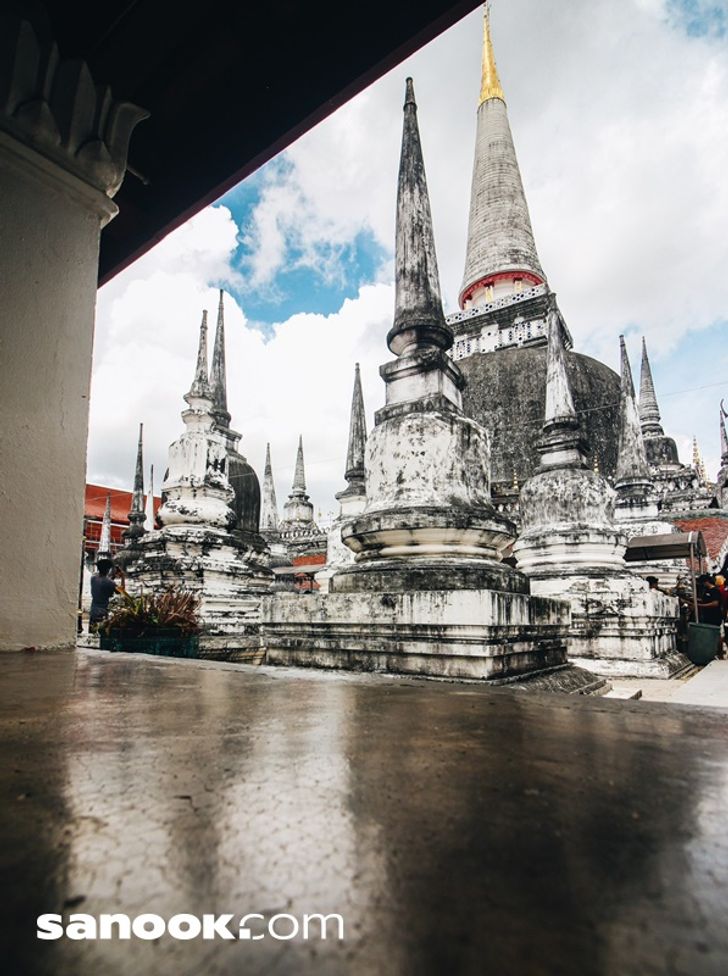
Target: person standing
<point>102,589</point>
<point>720,583</point>
<point>710,610</point>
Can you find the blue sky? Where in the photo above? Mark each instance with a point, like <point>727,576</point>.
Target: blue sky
<point>621,127</point>
<point>700,17</point>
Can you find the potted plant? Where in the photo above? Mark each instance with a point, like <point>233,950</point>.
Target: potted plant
<point>153,622</point>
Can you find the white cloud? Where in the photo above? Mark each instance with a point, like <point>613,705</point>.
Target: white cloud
<point>298,381</point>
<point>621,127</point>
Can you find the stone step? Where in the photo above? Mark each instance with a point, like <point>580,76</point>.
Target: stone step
<point>624,693</point>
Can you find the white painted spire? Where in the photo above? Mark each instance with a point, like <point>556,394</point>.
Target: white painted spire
<point>218,374</point>
<point>561,443</point>
<point>299,477</point>
<point>200,386</point>
<point>632,469</point>
<point>269,504</point>
<point>104,550</point>
<point>649,410</point>
<point>149,508</point>
<point>501,252</point>
<point>355,473</point>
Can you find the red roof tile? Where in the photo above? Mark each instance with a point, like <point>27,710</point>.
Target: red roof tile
<point>95,503</point>
<point>713,527</point>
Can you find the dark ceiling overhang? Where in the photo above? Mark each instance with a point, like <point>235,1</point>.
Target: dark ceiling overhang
<point>228,86</point>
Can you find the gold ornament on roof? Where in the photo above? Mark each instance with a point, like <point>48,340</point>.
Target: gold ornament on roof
<point>490,86</point>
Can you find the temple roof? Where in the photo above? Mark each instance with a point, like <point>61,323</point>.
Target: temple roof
<point>192,67</point>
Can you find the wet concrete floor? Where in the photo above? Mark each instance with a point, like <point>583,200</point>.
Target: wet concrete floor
<point>457,829</point>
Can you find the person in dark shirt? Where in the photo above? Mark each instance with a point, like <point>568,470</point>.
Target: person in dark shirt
<point>710,607</point>
<point>709,601</point>
<point>102,589</point>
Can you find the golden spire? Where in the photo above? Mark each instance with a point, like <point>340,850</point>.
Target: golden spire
<point>490,86</point>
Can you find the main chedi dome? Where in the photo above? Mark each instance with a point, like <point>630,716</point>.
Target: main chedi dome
<point>501,328</point>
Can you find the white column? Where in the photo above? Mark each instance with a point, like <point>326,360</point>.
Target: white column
<point>62,155</point>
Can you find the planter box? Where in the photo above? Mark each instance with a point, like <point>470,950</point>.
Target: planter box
<point>165,644</point>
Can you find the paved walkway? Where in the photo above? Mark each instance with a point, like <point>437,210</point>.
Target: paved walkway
<point>707,687</point>
<point>457,829</point>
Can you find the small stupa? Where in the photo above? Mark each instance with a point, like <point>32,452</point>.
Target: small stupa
<point>352,499</point>
<point>206,543</point>
<point>572,548</point>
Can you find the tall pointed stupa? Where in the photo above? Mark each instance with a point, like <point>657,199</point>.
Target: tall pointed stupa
<point>632,473</point>
<point>200,384</point>
<point>242,477</point>
<point>269,505</point>
<point>196,489</point>
<point>422,497</point>
<point>427,591</point>
<point>352,499</point>
<point>501,328</point>
<point>561,444</point>
<point>355,473</point>
<point>218,374</point>
<point>136,513</point>
<point>678,487</point>
<point>298,521</point>
<point>501,256</point>
<point>649,410</point>
<point>661,451</point>
<point>636,504</point>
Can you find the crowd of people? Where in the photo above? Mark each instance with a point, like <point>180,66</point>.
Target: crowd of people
<point>712,604</point>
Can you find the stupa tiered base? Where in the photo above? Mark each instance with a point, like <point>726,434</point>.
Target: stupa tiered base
<point>619,627</point>
<point>498,634</point>
<point>227,572</point>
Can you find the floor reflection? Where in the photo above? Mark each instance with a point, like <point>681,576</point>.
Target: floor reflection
<point>457,829</point>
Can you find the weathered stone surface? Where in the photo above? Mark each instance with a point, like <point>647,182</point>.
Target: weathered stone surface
<point>227,575</point>
<point>418,316</point>
<point>428,459</point>
<point>505,392</point>
<point>571,548</point>
<point>480,634</point>
<point>618,625</point>
<point>428,573</point>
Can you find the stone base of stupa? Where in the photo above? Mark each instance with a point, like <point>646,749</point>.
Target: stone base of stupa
<point>619,627</point>
<point>499,636</point>
<point>228,574</point>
